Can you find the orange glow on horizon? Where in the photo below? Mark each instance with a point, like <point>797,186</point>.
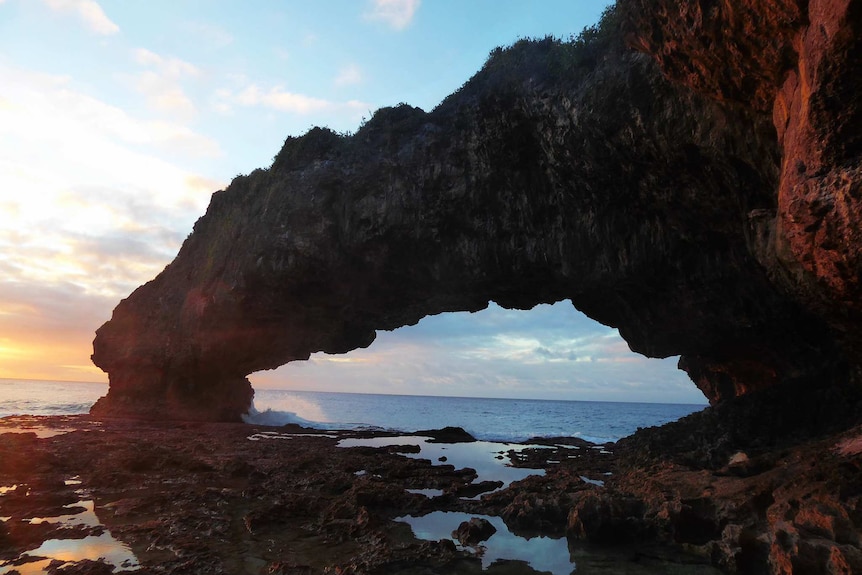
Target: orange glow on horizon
<point>66,360</point>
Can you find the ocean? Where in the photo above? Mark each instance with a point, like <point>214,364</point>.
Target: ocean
<point>505,420</point>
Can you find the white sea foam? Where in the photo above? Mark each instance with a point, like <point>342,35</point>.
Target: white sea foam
<point>275,418</point>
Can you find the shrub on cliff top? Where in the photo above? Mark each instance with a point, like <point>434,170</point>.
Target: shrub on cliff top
<point>316,144</point>
<point>396,120</point>
<point>539,61</point>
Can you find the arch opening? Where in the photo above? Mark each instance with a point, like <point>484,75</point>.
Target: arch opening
<point>551,352</point>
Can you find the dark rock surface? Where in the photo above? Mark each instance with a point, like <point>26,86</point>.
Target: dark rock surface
<point>447,435</point>
<point>713,214</point>
<point>230,498</point>
<point>474,531</point>
<point>191,498</point>
<point>799,63</point>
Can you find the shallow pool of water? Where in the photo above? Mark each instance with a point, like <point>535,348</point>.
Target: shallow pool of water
<point>427,492</point>
<point>489,459</point>
<point>542,553</point>
<point>102,547</point>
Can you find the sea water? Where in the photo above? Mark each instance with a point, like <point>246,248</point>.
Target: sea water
<point>508,420</point>
<point>37,397</point>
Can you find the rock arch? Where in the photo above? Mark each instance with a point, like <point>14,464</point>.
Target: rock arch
<point>560,171</point>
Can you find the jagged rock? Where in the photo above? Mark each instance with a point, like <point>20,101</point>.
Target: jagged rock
<point>608,520</point>
<point>447,435</point>
<point>301,503</point>
<point>712,215</point>
<point>797,61</point>
<point>474,531</point>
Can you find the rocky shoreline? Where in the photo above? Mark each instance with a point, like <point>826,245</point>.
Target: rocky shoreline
<point>236,498</point>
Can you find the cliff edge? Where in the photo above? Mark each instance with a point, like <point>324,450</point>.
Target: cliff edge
<point>686,172</point>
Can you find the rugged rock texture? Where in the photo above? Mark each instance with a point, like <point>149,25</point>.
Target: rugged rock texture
<point>231,498</point>
<point>713,214</point>
<point>799,61</point>
<point>764,483</point>
<point>203,498</point>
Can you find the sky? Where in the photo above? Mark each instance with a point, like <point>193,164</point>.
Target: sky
<point>119,119</point>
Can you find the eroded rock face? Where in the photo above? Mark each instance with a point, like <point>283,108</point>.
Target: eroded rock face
<point>798,61</point>
<point>674,210</point>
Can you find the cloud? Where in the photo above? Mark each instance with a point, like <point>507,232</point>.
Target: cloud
<point>92,204</point>
<point>164,95</point>
<point>89,11</point>
<point>279,99</point>
<point>348,75</point>
<point>56,321</point>
<point>43,110</point>
<point>85,196</point>
<point>551,351</point>
<point>170,67</point>
<point>398,14</point>
<point>161,82</point>
<point>210,34</point>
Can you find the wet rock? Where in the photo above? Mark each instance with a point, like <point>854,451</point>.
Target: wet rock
<point>475,489</point>
<point>85,567</point>
<point>605,519</point>
<point>447,435</point>
<point>474,531</point>
<point>304,505</point>
<point>282,568</point>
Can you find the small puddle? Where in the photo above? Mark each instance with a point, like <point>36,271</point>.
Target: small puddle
<point>103,547</point>
<point>427,492</point>
<point>541,553</point>
<point>85,518</point>
<point>95,548</point>
<point>489,459</point>
<point>597,482</point>
<point>41,432</point>
<point>277,435</point>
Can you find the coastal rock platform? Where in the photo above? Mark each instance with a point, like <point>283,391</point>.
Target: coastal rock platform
<point>175,498</point>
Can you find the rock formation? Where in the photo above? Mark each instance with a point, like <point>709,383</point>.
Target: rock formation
<point>700,192</point>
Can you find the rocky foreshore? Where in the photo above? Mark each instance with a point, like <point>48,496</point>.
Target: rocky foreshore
<point>235,498</point>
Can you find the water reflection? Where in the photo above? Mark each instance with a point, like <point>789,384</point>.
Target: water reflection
<point>103,547</point>
<point>489,459</point>
<point>41,432</point>
<point>85,518</point>
<point>541,553</point>
<point>427,492</point>
<point>94,548</point>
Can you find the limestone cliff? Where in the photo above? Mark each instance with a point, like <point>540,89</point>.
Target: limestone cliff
<point>703,198</point>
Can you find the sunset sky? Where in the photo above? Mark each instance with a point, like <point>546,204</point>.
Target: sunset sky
<point>119,119</point>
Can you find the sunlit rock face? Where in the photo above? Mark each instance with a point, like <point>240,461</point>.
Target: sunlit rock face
<point>798,62</point>
<point>660,193</point>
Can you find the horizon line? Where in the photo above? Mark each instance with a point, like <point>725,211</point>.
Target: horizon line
<point>359,392</point>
